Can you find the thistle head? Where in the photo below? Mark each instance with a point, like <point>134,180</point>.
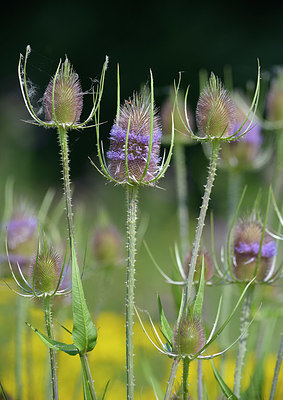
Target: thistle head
<point>208,265</point>
<point>274,102</point>
<point>215,113</point>
<point>45,270</point>
<point>63,98</point>
<point>135,138</point>
<point>253,251</point>
<point>107,245</point>
<point>189,337</point>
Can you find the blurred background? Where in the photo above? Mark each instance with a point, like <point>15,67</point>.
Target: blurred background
<point>166,37</point>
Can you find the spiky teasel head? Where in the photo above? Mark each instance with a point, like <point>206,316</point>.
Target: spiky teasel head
<point>189,337</point>
<point>215,113</point>
<point>45,270</point>
<point>63,98</point>
<point>253,250</point>
<point>135,133</point>
<point>208,265</point>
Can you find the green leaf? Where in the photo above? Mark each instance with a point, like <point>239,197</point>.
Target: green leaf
<point>70,349</point>
<point>105,390</point>
<point>225,389</point>
<point>198,301</point>
<point>84,332</point>
<point>165,327</point>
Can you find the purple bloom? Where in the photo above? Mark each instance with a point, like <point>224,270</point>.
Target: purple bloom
<point>268,249</point>
<point>20,230</point>
<point>138,111</point>
<point>253,136</point>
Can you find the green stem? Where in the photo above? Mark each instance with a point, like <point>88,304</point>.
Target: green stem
<point>87,378</point>
<point>245,320</point>
<point>200,389</point>
<point>132,193</point>
<point>182,197</point>
<point>63,141</point>
<point>277,178</point>
<point>20,324</point>
<point>52,353</point>
<point>205,200</point>
<point>277,370</point>
<point>171,379</point>
<point>186,364</point>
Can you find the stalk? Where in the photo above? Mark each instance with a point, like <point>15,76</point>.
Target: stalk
<point>132,193</point>
<point>87,377</point>
<point>171,379</point>
<point>200,389</point>
<point>277,370</point>
<point>21,317</point>
<point>205,200</point>
<point>277,177</point>
<point>182,197</point>
<point>63,141</point>
<point>52,353</point>
<point>245,320</point>
<point>186,364</point>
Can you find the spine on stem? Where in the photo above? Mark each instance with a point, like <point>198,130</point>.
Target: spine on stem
<point>52,353</point>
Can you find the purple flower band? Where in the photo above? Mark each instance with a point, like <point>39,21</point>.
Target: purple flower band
<point>253,136</point>
<point>268,249</point>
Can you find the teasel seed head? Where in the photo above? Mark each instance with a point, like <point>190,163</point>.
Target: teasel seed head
<point>63,99</point>
<point>246,248</point>
<point>189,338</point>
<point>215,113</point>
<point>135,114</point>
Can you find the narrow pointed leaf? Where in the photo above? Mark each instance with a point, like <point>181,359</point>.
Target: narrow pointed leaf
<point>84,332</point>
<point>3,392</point>
<point>165,327</point>
<point>70,349</point>
<point>225,389</point>
<point>105,390</point>
<point>198,301</point>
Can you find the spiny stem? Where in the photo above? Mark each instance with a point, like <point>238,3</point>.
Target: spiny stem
<point>87,377</point>
<point>182,197</point>
<point>186,364</point>
<point>277,370</point>
<point>63,141</point>
<point>200,389</point>
<point>52,353</point>
<point>21,317</point>
<point>171,379</point>
<point>245,320</point>
<point>132,192</point>
<point>205,200</point>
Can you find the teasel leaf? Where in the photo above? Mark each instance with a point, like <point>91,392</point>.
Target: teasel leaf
<point>198,300</point>
<point>225,389</point>
<point>165,327</point>
<point>105,390</point>
<point>70,349</point>
<point>84,332</point>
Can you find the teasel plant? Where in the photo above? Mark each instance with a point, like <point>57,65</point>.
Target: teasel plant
<point>133,161</point>
<point>215,117</point>
<point>186,341</point>
<point>62,104</point>
<point>250,256</point>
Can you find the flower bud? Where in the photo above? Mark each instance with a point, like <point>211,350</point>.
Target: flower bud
<point>274,101</point>
<point>138,111</point>
<point>107,245</point>
<point>208,265</point>
<point>246,247</point>
<point>215,113</point>
<point>189,338</point>
<point>45,270</point>
<point>68,97</point>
